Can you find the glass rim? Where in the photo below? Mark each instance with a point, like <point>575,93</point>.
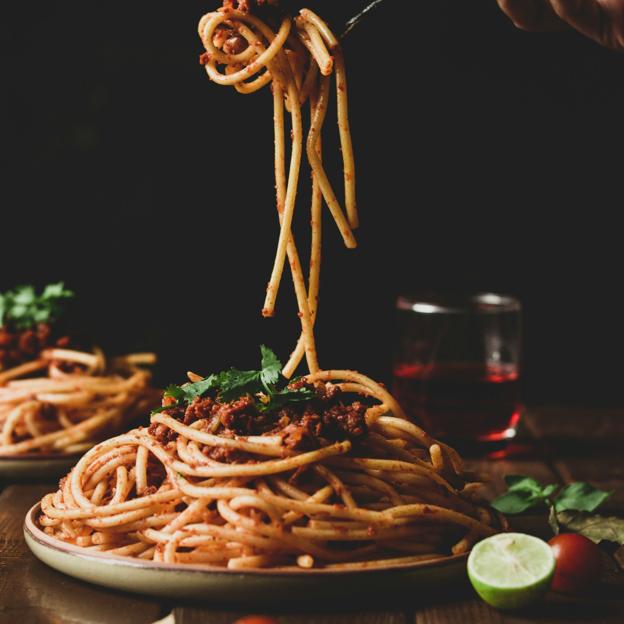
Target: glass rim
<point>458,303</point>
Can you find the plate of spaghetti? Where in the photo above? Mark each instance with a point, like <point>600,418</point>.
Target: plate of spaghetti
<point>57,401</point>
<point>247,482</point>
<point>238,476</point>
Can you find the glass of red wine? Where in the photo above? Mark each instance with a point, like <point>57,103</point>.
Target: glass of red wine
<point>457,366</point>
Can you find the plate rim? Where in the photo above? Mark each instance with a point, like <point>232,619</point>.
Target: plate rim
<point>43,539</point>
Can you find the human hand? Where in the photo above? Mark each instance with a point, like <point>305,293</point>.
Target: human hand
<point>600,20</point>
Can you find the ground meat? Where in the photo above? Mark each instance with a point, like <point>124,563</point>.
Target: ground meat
<point>199,408</point>
<point>327,392</point>
<point>322,420</point>
<point>335,423</point>
<point>224,454</point>
<point>346,419</point>
<point>235,44</point>
<point>247,6</point>
<point>162,433</point>
<point>20,345</point>
<point>239,415</point>
<point>303,433</point>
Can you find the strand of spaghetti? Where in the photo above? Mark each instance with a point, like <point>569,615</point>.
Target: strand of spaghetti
<point>12,419</point>
<point>312,40</point>
<point>23,369</point>
<point>319,496</point>
<point>275,532</point>
<point>334,511</point>
<point>206,30</point>
<point>275,45</point>
<point>214,440</point>
<point>433,512</point>
<point>293,257</point>
<point>374,483</point>
<point>346,143</point>
<point>289,202</point>
<point>80,429</point>
<point>379,392</point>
<point>392,465</point>
<point>317,166</point>
<point>272,466</point>
<point>254,44</point>
<point>70,355</point>
<point>315,250</point>
<point>339,487</point>
<point>96,511</point>
<point>141,469</point>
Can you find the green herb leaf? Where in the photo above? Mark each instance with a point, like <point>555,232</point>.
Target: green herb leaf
<point>580,496</point>
<point>232,384</point>
<point>24,308</point>
<point>521,483</point>
<point>593,526</point>
<point>517,502</point>
<point>522,493</point>
<point>271,367</point>
<point>525,493</point>
<point>283,397</point>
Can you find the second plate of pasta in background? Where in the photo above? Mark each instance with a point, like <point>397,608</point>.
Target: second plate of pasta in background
<point>57,401</point>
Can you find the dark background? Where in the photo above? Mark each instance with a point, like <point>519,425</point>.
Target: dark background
<point>488,159</point>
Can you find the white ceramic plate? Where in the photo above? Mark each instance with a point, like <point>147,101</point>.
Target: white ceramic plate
<point>35,467</point>
<point>202,582</point>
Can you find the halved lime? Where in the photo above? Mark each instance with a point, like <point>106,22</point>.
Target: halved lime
<point>511,570</point>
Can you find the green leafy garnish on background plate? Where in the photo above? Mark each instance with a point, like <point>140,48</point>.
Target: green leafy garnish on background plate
<point>570,506</point>
<point>24,308</point>
<point>263,385</point>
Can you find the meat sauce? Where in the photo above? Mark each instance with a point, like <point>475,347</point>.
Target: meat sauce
<point>21,345</point>
<point>304,426</point>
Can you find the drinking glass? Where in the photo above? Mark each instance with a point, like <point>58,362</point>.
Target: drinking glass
<point>457,365</point>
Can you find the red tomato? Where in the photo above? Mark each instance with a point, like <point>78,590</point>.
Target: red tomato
<point>578,562</point>
<point>256,619</point>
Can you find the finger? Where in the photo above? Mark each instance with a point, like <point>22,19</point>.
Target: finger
<point>600,20</point>
<point>534,15</point>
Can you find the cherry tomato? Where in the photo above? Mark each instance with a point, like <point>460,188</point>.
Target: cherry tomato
<point>578,562</point>
<point>256,619</point>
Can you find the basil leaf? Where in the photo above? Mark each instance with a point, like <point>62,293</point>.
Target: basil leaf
<point>548,491</point>
<point>516,502</point>
<point>522,483</point>
<point>580,496</point>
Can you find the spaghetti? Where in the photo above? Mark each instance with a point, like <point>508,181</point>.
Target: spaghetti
<point>389,493</point>
<point>298,60</point>
<point>234,471</point>
<point>64,401</point>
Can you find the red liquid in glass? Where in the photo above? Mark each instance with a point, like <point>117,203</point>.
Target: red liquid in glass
<point>460,401</point>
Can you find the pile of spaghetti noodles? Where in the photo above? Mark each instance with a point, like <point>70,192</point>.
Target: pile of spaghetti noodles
<point>389,493</point>
<point>261,478</point>
<point>64,401</point>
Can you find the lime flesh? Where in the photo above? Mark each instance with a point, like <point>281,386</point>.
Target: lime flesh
<point>511,570</point>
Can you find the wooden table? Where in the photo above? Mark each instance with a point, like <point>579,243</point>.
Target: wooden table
<point>558,445</point>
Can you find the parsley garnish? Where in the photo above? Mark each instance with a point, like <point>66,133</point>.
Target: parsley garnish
<point>23,307</point>
<point>262,385</point>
